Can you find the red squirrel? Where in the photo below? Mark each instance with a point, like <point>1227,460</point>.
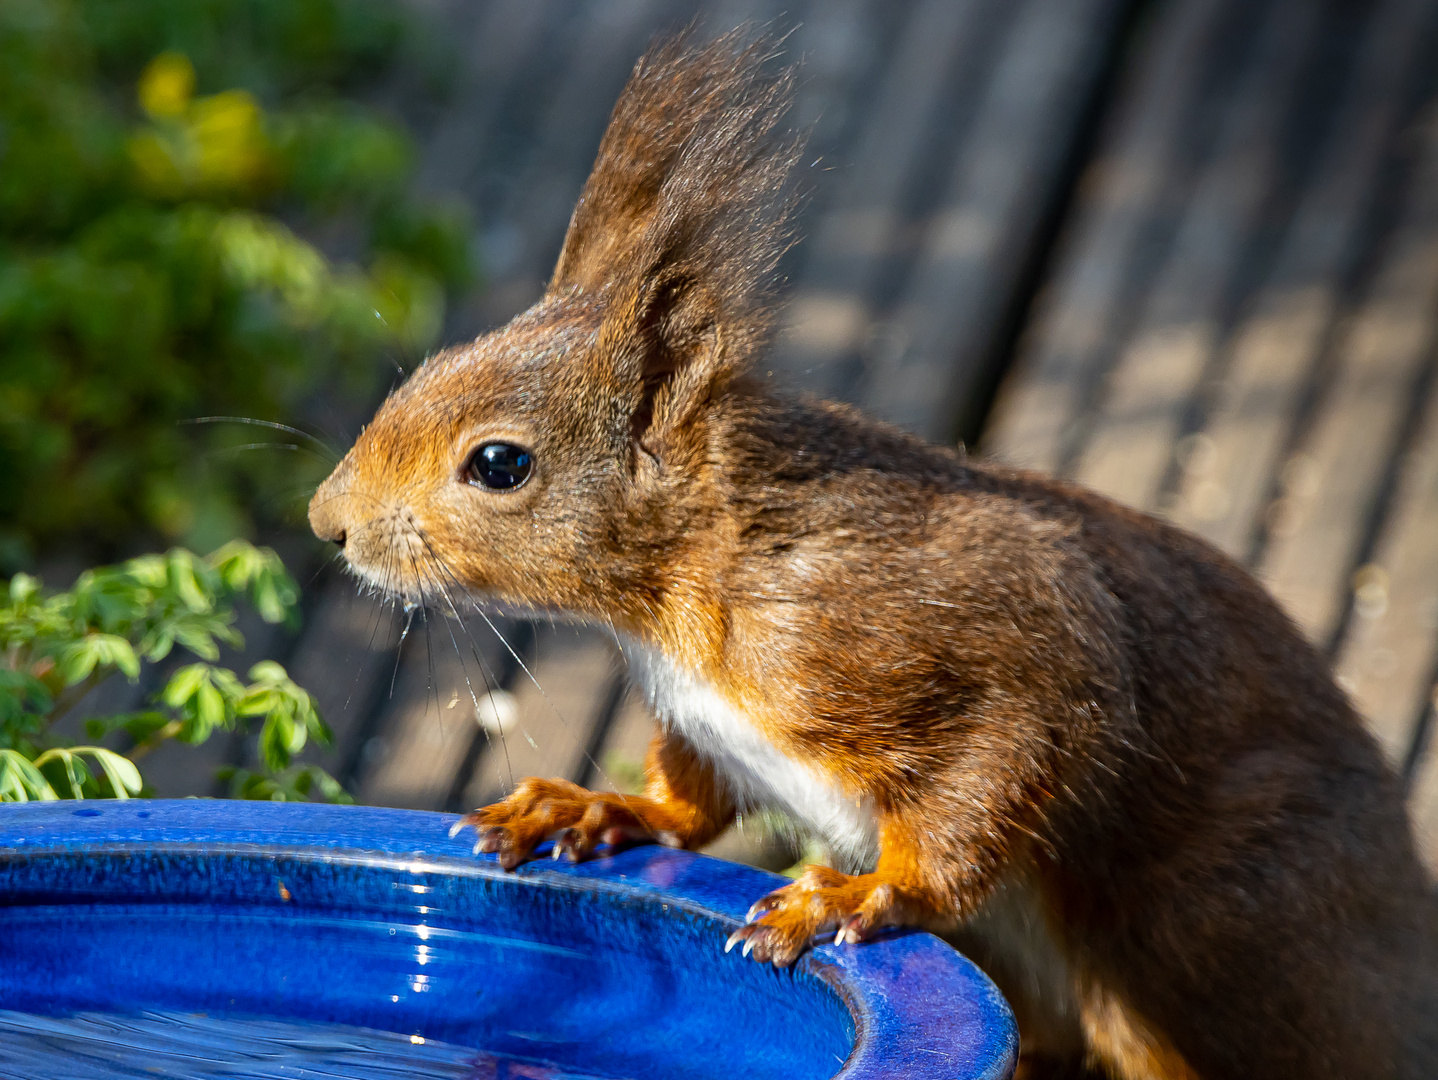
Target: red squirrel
<point>1076,740</point>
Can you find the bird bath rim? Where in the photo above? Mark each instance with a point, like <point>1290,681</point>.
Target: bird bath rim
<point>919,1009</point>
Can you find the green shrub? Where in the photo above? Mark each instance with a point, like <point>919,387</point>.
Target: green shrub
<point>161,162</point>
<point>56,648</point>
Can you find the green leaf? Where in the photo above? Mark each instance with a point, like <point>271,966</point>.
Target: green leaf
<point>209,713</point>
<point>237,563</point>
<point>272,591</point>
<point>80,659</point>
<point>275,739</point>
<point>228,684</point>
<point>156,645</point>
<point>199,640</point>
<point>20,780</point>
<point>294,784</point>
<point>206,695</point>
<point>76,774</point>
<point>268,671</point>
<point>269,602</point>
<point>141,725</point>
<point>23,589</point>
<point>315,723</point>
<point>329,787</point>
<point>260,702</point>
<point>183,684</point>
<point>149,570</point>
<point>186,581</point>
<point>295,735</point>
<point>124,777</point>
<point>72,768</point>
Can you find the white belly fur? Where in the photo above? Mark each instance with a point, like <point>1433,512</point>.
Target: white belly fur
<point>759,775</point>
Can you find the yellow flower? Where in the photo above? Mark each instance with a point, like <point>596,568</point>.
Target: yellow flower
<point>228,131</point>
<point>214,144</point>
<point>166,85</point>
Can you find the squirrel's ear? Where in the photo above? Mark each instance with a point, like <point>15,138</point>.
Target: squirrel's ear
<point>663,344</point>
<point>681,225</point>
<point>677,95</point>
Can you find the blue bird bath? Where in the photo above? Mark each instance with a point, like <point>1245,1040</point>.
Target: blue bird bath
<point>198,939</point>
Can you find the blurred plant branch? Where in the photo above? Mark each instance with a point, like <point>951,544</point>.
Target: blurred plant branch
<point>161,165</point>
<point>56,648</point>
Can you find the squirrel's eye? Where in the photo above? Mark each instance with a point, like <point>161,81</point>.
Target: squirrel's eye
<point>499,466</point>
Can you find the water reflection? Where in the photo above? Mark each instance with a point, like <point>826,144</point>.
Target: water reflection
<point>194,1046</point>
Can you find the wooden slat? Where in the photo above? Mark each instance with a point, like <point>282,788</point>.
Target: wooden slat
<point>1423,800</point>
<point>721,16</point>
<point>1324,516</point>
<point>428,721</point>
<point>405,764</point>
<point>625,745</point>
<point>978,242</point>
<point>844,254</point>
<point>495,40</point>
<point>603,42</point>
<point>1232,463</point>
<point>464,152</point>
<point>1388,654</point>
<point>553,726</point>
<point>1137,174</point>
<point>1160,367</point>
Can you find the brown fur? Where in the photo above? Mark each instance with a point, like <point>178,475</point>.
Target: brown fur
<point>1096,752</point>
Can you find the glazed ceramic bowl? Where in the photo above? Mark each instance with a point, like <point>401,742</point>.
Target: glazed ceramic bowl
<point>202,939</point>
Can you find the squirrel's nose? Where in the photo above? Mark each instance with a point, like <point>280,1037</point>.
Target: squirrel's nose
<point>326,528</point>
<point>327,515</point>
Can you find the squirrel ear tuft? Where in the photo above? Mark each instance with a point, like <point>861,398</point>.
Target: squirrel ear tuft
<point>693,125</point>
<point>683,220</point>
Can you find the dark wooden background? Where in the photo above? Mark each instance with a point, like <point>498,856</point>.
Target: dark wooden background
<point>1184,251</point>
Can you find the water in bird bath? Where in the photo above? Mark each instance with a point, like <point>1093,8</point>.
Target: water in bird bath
<point>196,1046</point>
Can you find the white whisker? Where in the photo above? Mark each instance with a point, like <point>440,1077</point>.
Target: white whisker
<point>444,569</point>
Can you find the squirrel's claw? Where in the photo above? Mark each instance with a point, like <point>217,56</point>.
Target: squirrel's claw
<point>768,944</point>
<point>577,819</point>
<point>780,926</point>
<point>853,930</point>
<point>762,906</point>
<point>574,842</point>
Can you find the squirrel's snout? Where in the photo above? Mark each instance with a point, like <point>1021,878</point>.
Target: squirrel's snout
<point>327,515</point>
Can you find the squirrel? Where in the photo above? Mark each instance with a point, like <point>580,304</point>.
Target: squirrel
<point>1080,743</point>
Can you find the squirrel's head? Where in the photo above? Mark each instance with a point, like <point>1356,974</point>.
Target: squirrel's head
<point>559,461</point>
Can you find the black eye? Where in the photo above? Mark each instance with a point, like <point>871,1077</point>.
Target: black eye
<point>499,466</point>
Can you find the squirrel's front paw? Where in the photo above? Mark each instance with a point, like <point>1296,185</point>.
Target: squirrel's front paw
<point>821,901</point>
<point>580,820</point>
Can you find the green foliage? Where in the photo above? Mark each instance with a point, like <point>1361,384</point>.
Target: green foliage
<point>56,648</point>
<point>160,163</point>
